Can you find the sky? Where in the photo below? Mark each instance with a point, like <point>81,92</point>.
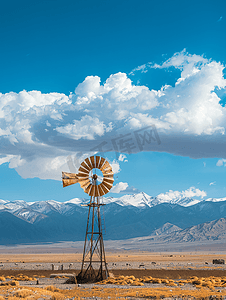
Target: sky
<point>142,83</point>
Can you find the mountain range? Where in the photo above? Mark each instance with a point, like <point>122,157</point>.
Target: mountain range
<point>129,216</point>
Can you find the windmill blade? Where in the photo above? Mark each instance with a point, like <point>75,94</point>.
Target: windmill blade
<point>102,160</point>
<point>101,191</point>
<point>88,163</point>
<point>88,188</point>
<point>110,175</point>
<point>83,170</point>
<point>106,173</point>
<point>106,168</point>
<point>93,162</point>
<point>84,183</point>
<point>84,165</point>
<point>82,176</point>
<point>105,165</point>
<point>108,180</point>
<point>105,189</point>
<point>69,178</point>
<point>84,179</point>
<point>96,193</point>
<point>92,191</point>
<point>97,161</point>
<point>107,185</point>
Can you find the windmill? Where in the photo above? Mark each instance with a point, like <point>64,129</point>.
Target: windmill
<point>95,177</point>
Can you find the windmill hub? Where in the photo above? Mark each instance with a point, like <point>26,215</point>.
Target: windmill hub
<point>95,176</point>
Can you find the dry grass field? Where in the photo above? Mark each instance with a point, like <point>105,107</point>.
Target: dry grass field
<point>121,256</point>
<point>134,275</point>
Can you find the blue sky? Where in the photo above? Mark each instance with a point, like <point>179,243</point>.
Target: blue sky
<point>75,74</point>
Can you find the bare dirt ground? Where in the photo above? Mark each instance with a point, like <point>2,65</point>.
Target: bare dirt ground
<point>117,256</point>
<point>137,275</point>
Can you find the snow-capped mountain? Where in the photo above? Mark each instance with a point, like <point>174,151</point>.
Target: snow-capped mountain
<point>216,199</point>
<point>125,217</point>
<point>3,201</point>
<point>143,200</point>
<point>139,200</point>
<point>15,205</point>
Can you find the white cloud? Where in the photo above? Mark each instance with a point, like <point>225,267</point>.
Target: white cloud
<point>124,188</point>
<point>142,68</point>
<point>213,183</point>
<point>192,105</point>
<point>115,166</point>
<point>119,187</point>
<point>5,159</point>
<point>221,162</point>
<point>44,167</point>
<point>122,157</point>
<point>189,193</point>
<point>184,61</point>
<point>86,128</point>
<point>188,116</point>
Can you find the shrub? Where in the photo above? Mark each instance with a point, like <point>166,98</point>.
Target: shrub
<point>156,280</point>
<point>23,293</point>
<point>57,296</point>
<point>137,283</point>
<point>52,289</point>
<point>13,282</point>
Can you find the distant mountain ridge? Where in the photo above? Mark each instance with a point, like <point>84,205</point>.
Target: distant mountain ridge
<point>129,216</point>
<point>137,200</point>
<point>142,200</point>
<point>208,231</point>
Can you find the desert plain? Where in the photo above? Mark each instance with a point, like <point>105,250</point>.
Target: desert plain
<point>40,272</point>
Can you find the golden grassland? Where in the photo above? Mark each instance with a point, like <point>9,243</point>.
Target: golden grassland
<point>198,291</point>
<point>122,256</point>
<point>199,288</point>
<point>120,286</point>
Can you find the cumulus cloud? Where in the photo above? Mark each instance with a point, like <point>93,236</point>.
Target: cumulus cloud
<point>115,166</point>
<point>195,109</point>
<point>221,162</point>
<point>39,131</point>
<point>119,187</point>
<point>86,128</point>
<point>189,193</point>
<point>123,187</point>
